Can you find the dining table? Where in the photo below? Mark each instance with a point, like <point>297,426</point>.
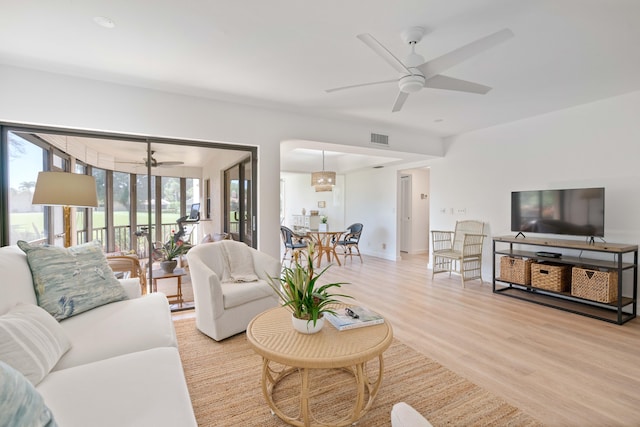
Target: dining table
<point>325,244</point>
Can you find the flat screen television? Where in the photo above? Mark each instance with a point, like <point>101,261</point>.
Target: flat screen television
<point>577,212</point>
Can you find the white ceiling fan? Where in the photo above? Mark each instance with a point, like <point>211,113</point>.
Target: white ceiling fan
<point>154,162</point>
<point>415,73</point>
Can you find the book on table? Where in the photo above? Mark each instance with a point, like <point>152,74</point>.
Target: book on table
<point>353,317</point>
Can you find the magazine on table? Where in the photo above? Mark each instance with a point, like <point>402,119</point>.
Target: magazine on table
<point>353,317</point>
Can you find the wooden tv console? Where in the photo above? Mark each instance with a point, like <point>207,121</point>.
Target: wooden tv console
<point>623,258</point>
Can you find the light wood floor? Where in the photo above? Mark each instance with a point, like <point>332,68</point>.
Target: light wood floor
<point>561,368</point>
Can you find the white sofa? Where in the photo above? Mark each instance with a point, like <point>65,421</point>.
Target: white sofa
<point>230,286</point>
<point>123,366</point>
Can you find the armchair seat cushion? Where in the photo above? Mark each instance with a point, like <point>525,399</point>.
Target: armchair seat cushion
<point>450,254</point>
<point>236,294</point>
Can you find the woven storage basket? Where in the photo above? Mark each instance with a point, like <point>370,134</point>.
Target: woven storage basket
<point>515,270</point>
<point>594,285</point>
<point>551,277</point>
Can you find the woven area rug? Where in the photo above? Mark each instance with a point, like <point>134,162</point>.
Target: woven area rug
<point>224,383</point>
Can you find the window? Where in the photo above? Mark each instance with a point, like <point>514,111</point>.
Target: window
<point>99,217</point>
<point>125,194</point>
<point>82,223</point>
<point>121,211</point>
<point>26,221</point>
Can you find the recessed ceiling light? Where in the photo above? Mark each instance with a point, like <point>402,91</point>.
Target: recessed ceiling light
<point>378,167</point>
<point>439,120</point>
<point>104,22</point>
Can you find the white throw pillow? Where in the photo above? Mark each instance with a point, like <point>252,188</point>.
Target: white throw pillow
<point>31,341</point>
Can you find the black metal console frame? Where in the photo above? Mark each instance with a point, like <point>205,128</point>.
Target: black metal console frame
<point>613,313</point>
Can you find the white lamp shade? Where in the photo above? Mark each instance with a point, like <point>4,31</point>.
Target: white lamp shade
<point>65,189</point>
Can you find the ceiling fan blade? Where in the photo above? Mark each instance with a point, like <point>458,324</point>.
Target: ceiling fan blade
<point>378,48</point>
<point>397,106</point>
<point>360,85</point>
<point>449,83</point>
<point>129,163</point>
<point>169,163</point>
<point>448,60</point>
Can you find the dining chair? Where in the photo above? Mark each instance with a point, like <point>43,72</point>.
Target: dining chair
<point>350,241</point>
<point>129,264</point>
<point>293,245</point>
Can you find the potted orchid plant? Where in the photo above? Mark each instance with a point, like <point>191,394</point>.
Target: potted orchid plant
<point>171,250</point>
<point>298,289</point>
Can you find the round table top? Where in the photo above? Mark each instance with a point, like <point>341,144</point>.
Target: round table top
<point>272,336</point>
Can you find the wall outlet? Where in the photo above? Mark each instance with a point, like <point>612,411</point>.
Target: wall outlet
<point>384,246</point>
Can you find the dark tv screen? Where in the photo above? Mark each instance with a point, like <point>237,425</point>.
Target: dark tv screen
<point>578,212</point>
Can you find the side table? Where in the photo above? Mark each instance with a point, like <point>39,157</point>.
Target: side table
<point>272,336</point>
<point>177,274</point>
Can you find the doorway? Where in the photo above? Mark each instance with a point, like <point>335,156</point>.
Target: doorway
<point>239,217</point>
<point>405,213</point>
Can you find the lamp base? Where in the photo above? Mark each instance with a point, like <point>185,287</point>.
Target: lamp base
<point>66,214</point>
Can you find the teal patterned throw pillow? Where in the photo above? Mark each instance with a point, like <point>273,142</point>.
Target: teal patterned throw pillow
<point>69,281</point>
<point>20,403</point>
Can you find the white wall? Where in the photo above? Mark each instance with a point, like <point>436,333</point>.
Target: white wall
<point>372,199</point>
<point>40,98</point>
<point>593,145</point>
<point>300,194</point>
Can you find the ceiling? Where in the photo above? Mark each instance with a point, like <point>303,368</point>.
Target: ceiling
<point>285,53</point>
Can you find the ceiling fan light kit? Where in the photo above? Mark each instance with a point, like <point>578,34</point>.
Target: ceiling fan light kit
<point>411,84</point>
<point>416,74</point>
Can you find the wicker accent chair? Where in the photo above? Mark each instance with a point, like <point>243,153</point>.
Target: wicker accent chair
<point>350,241</point>
<point>129,264</point>
<point>294,245</point>
<point>459,251</point>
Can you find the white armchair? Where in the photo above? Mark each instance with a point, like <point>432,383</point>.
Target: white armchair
<point>459,250</point>
<point>230,286</point>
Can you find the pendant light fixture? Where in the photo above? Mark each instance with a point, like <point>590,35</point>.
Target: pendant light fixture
<point>325,180</point>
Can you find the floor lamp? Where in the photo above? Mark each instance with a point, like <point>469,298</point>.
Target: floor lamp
<point>66,190</point>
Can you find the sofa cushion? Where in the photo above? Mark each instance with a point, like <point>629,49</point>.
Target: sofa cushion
<point>145,388</point>
<point>20,402</point>
<point>235,294</point>
<point>118,328</point>
<point>31,341</point>
<point>69,281</point>
<point>16,285</point>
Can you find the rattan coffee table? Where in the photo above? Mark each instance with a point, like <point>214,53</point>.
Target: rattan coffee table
<point>272,336</point>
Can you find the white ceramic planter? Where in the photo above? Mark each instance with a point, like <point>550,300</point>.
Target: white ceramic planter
<point>323,227</point>
<point>306,326</point>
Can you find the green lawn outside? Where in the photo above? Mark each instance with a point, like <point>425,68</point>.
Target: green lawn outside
<point>25,224</point>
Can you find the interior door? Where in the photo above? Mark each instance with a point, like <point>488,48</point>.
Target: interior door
<point>405,213</point>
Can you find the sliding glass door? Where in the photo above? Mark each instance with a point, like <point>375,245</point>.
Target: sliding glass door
<point>239,200</point>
